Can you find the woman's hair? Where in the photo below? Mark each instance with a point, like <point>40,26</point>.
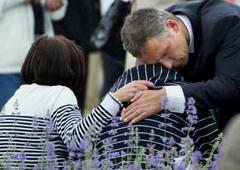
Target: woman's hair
<point>54,61</point>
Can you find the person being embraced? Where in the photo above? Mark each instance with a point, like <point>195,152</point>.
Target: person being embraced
<point>163,133</point>
<point>43,113</point>
<point>178,38</point>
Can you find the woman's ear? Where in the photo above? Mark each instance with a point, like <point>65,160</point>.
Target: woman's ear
<point>172,25</point>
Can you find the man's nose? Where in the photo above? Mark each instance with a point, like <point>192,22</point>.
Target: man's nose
<point>168,64</point>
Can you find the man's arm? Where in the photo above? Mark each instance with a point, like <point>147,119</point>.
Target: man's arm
<point>222,90</point>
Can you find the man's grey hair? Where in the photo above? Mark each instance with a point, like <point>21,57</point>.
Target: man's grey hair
<point>141,25</point>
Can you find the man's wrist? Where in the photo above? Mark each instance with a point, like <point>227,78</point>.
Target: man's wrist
<point>175,98</point>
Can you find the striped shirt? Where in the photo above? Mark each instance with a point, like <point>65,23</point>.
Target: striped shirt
<point>159,132</point>
<point>39,125</point>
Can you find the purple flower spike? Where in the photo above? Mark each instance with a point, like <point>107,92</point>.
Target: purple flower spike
<point>196,156</point>
<point>164,103</point>
<point>180,164</point>
<point>133,167</point>
<point>191,101</point>
<point>115,154</point>
<point>20,156</point>
<point>112,132</point>
<point>50,148</point>
<point>115,120</point>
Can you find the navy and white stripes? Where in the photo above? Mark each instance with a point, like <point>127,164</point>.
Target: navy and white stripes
<point>43,123</point>
<point>154,73</point>
<point>159,128</point>
<point>71,127</point>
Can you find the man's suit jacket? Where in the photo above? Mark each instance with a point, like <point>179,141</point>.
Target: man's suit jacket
<point>214,67</point>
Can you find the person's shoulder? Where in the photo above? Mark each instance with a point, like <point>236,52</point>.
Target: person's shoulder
<point>203,8</point>
<point>64,92</point>
<point>218,14</point>
<point>219,10</point>
<point>55,93</point>
<point>62,89</point>
<point>63,96</point>
<point>53,89</point>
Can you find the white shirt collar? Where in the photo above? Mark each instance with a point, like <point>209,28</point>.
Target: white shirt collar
<point>188,25</point>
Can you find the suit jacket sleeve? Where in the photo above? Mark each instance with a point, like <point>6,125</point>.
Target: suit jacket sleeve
<point>224,87</point>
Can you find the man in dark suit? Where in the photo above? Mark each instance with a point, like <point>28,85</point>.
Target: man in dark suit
<point>202,40</point>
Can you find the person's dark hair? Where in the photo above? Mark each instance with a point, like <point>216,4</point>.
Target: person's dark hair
<point>54,61</point>
<point>141,25</point>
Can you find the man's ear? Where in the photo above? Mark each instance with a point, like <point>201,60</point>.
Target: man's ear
<point>172,25</point>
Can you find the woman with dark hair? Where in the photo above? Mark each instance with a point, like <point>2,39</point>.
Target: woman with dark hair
<point>43,113</point>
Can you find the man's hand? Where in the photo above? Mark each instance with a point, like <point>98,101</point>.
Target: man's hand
<point>145,104</point>
<point>53,5</point>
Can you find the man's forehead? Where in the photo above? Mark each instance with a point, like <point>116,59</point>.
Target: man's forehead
<point>155,45</point>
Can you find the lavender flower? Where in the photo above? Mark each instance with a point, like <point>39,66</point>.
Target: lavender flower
<point>151,138</point>
<point>153,161</point>
<point>191,101</point>
<point>115,154</point>
<point>133,167</point>
<point>35,123</point>
<point>191,111</point>
<point>115,121</point>
<point>171,141</point>
<point>65,165</point>
<point>196,157</point>
<point>164,103</point>
<point>50,148</point>
<point>21,156</point>
<point>112,132</point>
<point>180,164</point>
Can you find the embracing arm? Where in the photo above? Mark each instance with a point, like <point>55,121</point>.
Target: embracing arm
<point>222,89</point>
<point>73,129</point>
